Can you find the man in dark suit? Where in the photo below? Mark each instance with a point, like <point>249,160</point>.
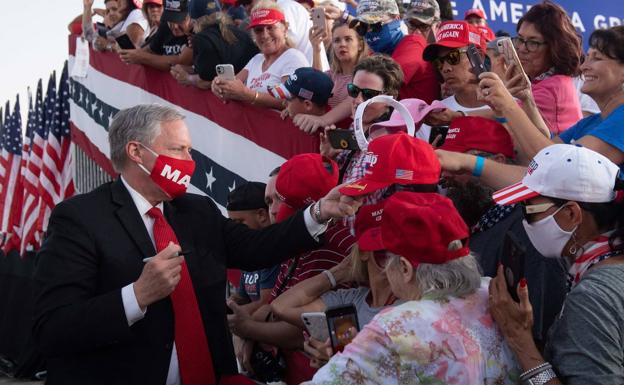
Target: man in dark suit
<point>105,314</point>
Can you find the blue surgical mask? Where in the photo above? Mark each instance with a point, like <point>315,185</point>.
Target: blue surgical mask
<point>387,39</point>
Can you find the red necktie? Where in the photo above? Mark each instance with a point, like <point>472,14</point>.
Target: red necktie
<point>194,357</point>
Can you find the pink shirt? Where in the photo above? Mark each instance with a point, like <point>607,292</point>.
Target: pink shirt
<point>339,92</point>
<point>558,102</point>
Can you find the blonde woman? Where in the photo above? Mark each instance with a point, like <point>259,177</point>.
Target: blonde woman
<point>275,62</point>
<point>347,49</point>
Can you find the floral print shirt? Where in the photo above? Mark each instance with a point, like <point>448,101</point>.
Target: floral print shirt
<point>434,342</point>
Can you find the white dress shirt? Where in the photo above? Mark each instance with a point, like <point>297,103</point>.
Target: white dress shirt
<point>131,306</point>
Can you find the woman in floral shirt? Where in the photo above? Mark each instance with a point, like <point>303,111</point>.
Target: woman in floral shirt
<point>444,334</point>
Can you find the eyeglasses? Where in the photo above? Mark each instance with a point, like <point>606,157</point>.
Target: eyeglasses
<point>367,93</point>
<point>531,45</point>
<point>381,258</point>
<point>362,28</point>
<point>453,58</point>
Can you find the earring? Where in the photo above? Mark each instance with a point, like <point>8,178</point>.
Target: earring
<point>575,249</point>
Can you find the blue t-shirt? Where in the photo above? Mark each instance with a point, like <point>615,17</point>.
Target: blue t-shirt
<point>608,130</point>
<point>251,282</point>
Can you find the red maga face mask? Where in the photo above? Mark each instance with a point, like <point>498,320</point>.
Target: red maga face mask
<point>170,174</point>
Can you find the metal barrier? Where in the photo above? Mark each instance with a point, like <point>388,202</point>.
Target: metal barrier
<point>88,175</point>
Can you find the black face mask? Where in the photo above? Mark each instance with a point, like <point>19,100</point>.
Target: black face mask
<point>471,199</point>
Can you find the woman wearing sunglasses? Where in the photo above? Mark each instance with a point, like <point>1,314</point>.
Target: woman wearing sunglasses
<point>570,215</point>
<point>364,266</point>
<point>443,333</point>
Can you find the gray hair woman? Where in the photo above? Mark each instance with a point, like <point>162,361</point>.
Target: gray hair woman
<point>444,333</point>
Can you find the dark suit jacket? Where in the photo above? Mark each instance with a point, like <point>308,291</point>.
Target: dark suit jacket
<point>95,246</point>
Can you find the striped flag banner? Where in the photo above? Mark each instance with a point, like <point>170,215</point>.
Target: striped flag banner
<point>232,143</point>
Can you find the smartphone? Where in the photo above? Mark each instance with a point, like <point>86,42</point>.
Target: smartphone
<point>343,139</point>
<point>225,71</point>
<point>513,263</point>
<point>101,29</point>
<point>438,131</point>
<point>476,60</point>
<point>125,42</point>
<point>318,18</point>
<point>343,326</point>
<point>506,48</point>
<point>316,324</point>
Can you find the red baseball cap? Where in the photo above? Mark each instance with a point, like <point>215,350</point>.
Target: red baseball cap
<point>423,228</point>
<point>303,180</point>
<point>474,12</point>
<point>157,2</point>
<point>477,133</point>
<point>368,227</point>
<point>487,32</point>
<point>396,158</point>
<point>265,16</point>
<point>454,34</point>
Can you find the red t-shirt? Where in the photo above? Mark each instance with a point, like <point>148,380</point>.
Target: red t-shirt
<point>420,79</point>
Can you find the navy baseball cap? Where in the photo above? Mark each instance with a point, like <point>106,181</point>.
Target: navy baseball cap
<point>174,11</point>
<point>248,196</point>
<point>306,83</point>
<point>199,8</point>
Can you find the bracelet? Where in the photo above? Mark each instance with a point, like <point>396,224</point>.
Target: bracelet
<point>501,119</point>
<point>255,98</point>
<point>316,212</point>
<point>331,278</point>
<point>478,169</point>
<point>539,368</point>
<point>541,378</point>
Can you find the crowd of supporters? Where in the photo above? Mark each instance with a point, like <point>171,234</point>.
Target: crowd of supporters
<point>488,249</point>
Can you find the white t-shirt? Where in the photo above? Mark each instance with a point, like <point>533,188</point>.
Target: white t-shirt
<point>299,24</point>
<point>452,104</point>
<point>285,65</point>
<point>587,103</point>
<point>134,17</point>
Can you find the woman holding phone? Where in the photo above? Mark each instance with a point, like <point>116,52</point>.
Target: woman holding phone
<point>316,295</point>
<point>276,61</point>
<point>443,333</point>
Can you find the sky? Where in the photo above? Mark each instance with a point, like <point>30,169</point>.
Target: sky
<point>34,34</point>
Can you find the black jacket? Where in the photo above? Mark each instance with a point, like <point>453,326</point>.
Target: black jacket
<point>95,246</point>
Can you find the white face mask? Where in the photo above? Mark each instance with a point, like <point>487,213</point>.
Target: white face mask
<point>546,235</point>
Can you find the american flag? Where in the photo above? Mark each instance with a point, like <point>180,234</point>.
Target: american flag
<point>44,111</point>
<point>56,180</point>
<point>10,168</point>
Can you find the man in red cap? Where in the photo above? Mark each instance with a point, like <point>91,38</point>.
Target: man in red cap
<point>486,139</point>
<point>448,54</point>
<point>303,179</point>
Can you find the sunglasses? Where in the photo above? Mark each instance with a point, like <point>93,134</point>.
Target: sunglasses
<point>367,93</point>
<point>362,28</point>
<point>453,58</point>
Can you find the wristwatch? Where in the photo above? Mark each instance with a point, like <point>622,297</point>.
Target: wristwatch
<point>541,378</point>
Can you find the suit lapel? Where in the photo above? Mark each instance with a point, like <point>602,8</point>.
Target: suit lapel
<point>131,219</point>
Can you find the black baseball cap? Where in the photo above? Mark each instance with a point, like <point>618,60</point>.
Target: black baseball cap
<point>175,11</point>
<point>248,196</point>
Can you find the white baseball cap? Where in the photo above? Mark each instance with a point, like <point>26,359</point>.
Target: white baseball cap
<point>564,171</point>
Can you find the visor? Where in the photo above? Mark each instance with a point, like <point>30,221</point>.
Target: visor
<point>513,194</point>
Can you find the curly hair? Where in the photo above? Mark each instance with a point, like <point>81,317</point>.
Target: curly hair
<point>386,68</point>
<point>564,42</point>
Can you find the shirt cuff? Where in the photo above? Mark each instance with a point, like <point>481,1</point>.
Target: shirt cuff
<point>131,305</point>
<point>315,229</point>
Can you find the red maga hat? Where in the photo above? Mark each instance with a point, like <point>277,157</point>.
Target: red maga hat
<point>454,34</point>
<point>265,16</point>
<point>423,228</point>
<point>477,133</point>
<point>368,227</point>
<point>474,12</point>
<point>303,180</point>
<point>396,158</point>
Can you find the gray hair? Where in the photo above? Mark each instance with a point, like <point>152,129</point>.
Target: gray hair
<point>458,278</point>
<point>141,123</point>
